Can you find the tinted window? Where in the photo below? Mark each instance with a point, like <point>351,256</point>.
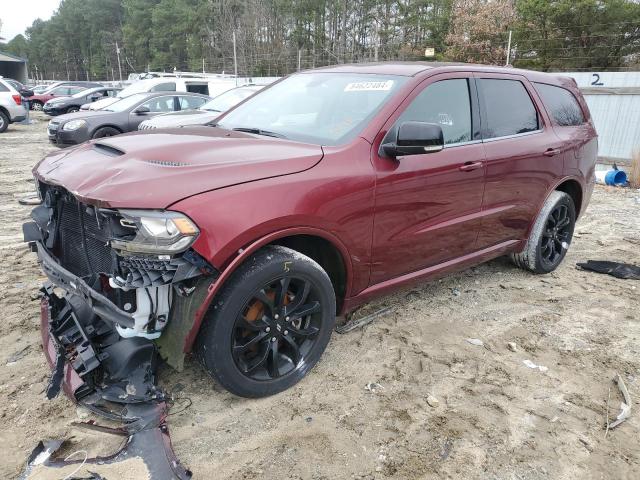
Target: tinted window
<point>160,104</point>
<point>508,108</point>
<point>3,88</point>
<point>190,103</point>
<point>445,103</point>
<point>74,90</point>
<point>561,104</point>
<point>164,87</point>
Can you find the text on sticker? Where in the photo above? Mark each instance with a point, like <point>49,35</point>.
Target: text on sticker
<point>368,86</point>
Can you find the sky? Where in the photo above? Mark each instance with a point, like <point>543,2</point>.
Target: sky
<point>17,15</point>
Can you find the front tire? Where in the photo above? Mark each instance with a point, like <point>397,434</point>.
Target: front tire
<point>269,325</point>
<point>36,106</point>
<point>106,132</point>
<point>73,109</point>
<point>550,236</point>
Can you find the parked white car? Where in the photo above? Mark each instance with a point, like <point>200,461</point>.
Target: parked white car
<point>210,87</point>
<point>11,107</point>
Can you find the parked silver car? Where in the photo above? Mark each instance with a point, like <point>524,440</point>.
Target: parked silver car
<point>11,107</point>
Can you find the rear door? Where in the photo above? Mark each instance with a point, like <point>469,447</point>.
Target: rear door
<point>523,156</point>
<point>428,206</point>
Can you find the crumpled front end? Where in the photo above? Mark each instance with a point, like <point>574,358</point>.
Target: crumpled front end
<point>110,295</point>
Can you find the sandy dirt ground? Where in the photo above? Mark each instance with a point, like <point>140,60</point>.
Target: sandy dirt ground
<point>443,407</point>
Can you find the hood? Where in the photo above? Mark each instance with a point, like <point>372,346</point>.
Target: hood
<point>154,170</point>
<point>182,118</point>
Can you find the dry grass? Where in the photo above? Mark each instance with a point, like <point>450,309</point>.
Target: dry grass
<point>634,172</point>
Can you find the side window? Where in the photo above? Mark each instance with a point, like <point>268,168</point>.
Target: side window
<point>508,108</point>
<point>60,91</point>
<point>3,88</point>
<point>110,93</point>
<point>74,90</point>
<point>164,87</point>
<point>190,103</point>
<point>160,104</point>
<point>562,105</point>
<point>446,103</point>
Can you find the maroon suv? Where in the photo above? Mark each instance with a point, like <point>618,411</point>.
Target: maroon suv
<point>244,240</point>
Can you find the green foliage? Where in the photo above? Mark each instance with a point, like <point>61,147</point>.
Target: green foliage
<point>576,34</point>
<point>274,37</point>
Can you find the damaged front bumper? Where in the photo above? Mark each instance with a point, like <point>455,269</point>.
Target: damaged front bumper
<point>113,379</point>
<point>98,335</point>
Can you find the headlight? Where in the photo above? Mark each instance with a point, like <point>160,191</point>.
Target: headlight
<point>156,232</point>
<point>74,125</point>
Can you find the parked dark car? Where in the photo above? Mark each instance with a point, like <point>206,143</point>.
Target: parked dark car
<point>122,116</point>
<point>206,113</point>
<point>37,101</point>
<point>329,188</point>
<point>62,105</point>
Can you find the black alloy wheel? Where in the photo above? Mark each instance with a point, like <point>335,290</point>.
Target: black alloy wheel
<point>269,324</point>
<point>276,329</point>
<point>557,234</point>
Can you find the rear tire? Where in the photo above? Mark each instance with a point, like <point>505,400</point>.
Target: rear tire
<point>106,132</point>
<point>4,122</point>
<point>269,325</point>
<point>550,236</point>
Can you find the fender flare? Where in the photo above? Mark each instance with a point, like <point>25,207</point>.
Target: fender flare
<point>244,253</point>
<point>553,188</point>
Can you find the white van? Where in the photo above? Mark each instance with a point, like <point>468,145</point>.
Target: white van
<point>205,86</point>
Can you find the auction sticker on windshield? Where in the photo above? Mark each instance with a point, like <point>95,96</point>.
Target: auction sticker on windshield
<point>368,86</point>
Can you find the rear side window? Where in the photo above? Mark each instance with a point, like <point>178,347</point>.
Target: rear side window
<point>164,87</point>
<point>561,104</point>
<point>508,109</point>
<point>3,88</point>
<point>446,103</point>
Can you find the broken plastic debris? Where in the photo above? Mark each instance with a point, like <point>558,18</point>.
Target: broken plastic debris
<point>373,387</point>
<point>432,401</point>
<point>530,364</point>
<point>625,407</point>
<point>475,341</point>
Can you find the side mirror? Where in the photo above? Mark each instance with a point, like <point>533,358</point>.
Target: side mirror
<point>415,138</point>
<point>142,110</point>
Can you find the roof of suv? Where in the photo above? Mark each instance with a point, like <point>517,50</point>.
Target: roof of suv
<point>413,69</point>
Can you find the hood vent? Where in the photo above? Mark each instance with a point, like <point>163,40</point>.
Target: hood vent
<point>108,150</point>
<point>164,163</point>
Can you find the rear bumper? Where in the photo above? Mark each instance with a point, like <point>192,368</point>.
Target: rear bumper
<point>17,113</point>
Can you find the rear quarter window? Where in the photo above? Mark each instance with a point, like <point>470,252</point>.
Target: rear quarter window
<point>508,108</point>
<point>3,88</point>
<point>561,104</point>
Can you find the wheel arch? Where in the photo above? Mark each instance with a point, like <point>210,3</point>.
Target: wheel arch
<point>306,240</point>
<point>572,188</point>
<point>6,112</point>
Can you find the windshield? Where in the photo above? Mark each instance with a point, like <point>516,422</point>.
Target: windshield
<point>320,108</point>
<point>125,103</point>
<point>224,102</point>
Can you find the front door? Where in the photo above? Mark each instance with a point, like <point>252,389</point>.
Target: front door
<point>156,106</point>
<point>428,206</point>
